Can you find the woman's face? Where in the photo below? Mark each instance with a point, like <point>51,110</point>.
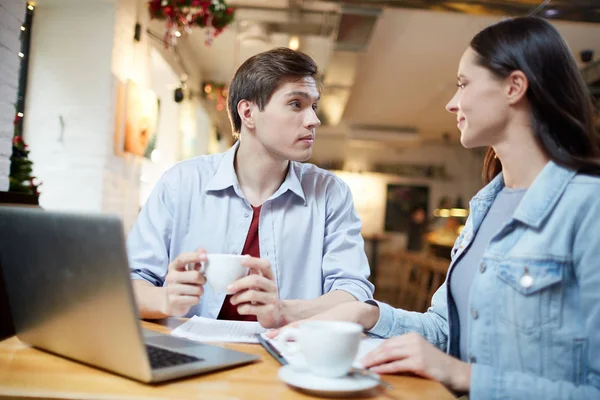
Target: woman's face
<point>480,103</point>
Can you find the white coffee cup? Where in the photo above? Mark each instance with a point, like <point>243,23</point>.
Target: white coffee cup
<point>329,347</point>
<point>221,270</point>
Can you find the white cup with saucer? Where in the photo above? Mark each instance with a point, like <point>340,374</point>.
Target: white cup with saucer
<point>305,381</point>
<point>328,347</point>
<point>327,350</point>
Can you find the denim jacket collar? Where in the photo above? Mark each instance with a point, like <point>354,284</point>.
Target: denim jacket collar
<point>538,202</point>
<point>226,177</point>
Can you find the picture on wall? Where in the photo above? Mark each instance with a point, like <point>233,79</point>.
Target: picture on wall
<point>136,119</point>
<point>401,203</point>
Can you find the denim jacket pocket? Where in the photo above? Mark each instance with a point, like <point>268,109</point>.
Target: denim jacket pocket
<point>530,293</point>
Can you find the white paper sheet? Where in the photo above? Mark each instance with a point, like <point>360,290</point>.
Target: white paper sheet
<point>213,330</point>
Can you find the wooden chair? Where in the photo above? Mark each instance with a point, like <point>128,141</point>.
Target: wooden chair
<point>419,276</point>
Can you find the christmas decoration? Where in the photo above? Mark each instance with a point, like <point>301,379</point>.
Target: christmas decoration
<point>183,15</point>
<point>20,174</point>
<point>216,92</point>
<point>20,178</point>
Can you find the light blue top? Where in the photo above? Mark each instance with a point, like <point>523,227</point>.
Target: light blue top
<point>536,292</point>
<point>308,229</point>
<point>464,270</point>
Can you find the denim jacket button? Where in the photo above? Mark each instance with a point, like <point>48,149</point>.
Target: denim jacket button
<point>482,267</point>
<point>526,280</point>
<point>474,313</point>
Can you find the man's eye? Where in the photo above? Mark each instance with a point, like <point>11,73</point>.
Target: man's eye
<point>315,106</point>
<point>295,104</point>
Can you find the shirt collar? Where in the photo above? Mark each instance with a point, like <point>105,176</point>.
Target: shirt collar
<point>540,198</point>
<point>292,181</point>
<point>226,177</point>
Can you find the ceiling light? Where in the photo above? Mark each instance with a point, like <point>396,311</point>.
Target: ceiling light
<point>294,42</point>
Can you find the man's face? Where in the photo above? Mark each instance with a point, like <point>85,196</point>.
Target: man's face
<point>286,127</point>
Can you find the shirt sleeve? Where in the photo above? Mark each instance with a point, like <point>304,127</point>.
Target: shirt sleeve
<point>432,324</point>
<point>149,241</point>
<point>345,265</point>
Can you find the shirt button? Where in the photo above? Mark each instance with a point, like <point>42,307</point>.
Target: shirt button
<point>472,359</point>
<point>234,252</point>
<point>246,215</point>
<point>482,267</point>
<point>474,313</point>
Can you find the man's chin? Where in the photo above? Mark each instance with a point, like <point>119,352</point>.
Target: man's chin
<point>301,156</point>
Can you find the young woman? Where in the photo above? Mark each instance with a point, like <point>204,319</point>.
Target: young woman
<point>519,314</point>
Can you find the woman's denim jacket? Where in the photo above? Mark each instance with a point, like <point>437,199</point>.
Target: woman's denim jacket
<point>534,328</point>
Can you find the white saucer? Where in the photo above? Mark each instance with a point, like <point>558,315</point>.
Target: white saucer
<point>331,387</point>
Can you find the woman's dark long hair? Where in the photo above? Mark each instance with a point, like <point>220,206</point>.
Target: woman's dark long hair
<point>561,105</point>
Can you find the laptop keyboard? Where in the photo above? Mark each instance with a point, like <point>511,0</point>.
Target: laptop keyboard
<point>162,358</point>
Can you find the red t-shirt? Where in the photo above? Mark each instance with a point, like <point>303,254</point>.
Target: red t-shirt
<point>252,248</point>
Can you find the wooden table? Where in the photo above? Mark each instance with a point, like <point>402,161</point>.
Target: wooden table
<point>29,373</point>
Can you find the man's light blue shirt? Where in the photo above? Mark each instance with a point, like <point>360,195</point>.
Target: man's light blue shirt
<point>308,229</point>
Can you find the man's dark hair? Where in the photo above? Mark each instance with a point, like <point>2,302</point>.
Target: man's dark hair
<point>259,77</point>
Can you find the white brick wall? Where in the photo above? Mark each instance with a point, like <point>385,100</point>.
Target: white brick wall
<point>79,51</point>
<point>12,14</point>
<point>69,102</point>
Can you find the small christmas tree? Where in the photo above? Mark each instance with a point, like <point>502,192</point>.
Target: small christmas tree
<point>21,180</point>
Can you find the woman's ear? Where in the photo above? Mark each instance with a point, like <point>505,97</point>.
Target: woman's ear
<point>244,109</point>
<point>516,86</point>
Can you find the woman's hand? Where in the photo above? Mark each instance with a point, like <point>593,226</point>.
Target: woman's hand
<point>412,353</point>
<point>352,311</point>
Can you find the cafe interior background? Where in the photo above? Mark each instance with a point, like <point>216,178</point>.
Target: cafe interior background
<point>100,97</point>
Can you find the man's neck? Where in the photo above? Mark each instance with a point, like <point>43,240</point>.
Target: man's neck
<point>260,173</point>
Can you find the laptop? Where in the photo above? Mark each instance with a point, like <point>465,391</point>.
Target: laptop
<point>70,293</point>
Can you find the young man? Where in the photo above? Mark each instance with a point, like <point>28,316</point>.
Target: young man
<point>296,221</point>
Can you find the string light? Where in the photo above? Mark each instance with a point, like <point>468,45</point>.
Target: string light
<point>30,7</point>
<point>20,114</point>
<point>216,92</point>
<point>21,55</point>
<point>452,212</point>
<point>22,28</point>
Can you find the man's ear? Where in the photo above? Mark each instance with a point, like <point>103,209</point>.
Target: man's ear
<point>516,86</point>
<point>245,109</point>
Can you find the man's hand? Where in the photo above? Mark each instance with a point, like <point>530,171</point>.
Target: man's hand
<point>412,353</point>
<point>184,283</point>
<point>256,294</point>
